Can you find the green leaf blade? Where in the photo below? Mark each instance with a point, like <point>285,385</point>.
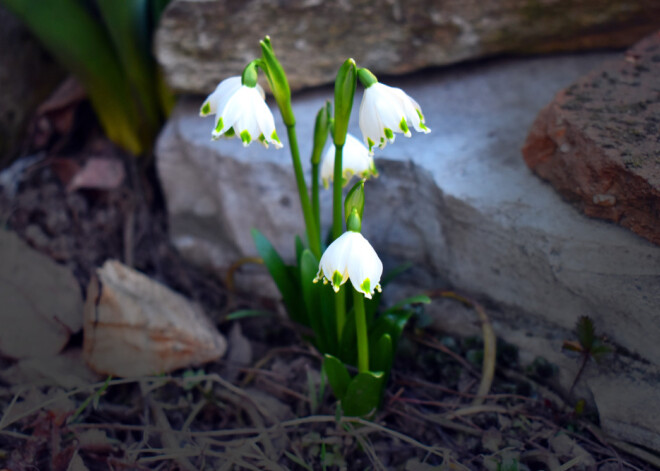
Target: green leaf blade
<point>363,394</point>
<point>290,292</point>
<point>337,374</point>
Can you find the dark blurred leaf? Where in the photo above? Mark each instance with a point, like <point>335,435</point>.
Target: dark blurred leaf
<point>363,394</point>
<point>585,332</point>
<point>68,30</point>
<point>337,374</point>
<point>280,273</point>
<point>419,299</point>
<point>246,313</point>
<point>311,295</point>
<point>382,355</point>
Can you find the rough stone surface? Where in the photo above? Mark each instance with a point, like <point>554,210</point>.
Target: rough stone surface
<point>134,326</point>
<point>27,76</point>
<point>201,42</point>
<point>459,203</point>
<point>41,301</point>
<point>598,142</point>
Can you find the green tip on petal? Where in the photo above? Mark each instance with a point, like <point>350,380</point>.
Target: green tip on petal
<point>262,139</point>
<point>230,132</point>
<point>206,109</point>
<point>273,137</point>
<point>219,126</point>
<point>404,127</point>
<point>366,287</point>
<point>371,143</point>
<point>337,278</point>
<point>245,137</point>
<point>421,122</point>
<point>389,134</point>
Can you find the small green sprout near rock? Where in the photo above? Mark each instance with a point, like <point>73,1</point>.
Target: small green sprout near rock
<point>587,345</point>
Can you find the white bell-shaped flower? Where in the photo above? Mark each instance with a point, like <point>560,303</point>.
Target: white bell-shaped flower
<point>241,111</point>
<point>352,257</point>
<point>356,160</point>
<point>387,110</point>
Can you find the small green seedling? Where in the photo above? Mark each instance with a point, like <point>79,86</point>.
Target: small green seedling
<point>588,345</point>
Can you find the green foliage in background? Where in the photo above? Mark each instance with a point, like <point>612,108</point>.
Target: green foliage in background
<point>106,44</point>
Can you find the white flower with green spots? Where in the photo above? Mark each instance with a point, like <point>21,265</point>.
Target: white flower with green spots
<point>241,111</point>
<point>356,160</point>
<point>352,257</point>
<point>387,110</point>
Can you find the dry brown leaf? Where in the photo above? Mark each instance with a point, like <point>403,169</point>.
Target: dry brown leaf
<point>99,173</point>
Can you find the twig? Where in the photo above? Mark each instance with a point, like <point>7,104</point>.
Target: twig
<point>167,436</point>
<point>8,410</point>
<point>438,346</point>
<point>490,343</point>
<point>479,409</point>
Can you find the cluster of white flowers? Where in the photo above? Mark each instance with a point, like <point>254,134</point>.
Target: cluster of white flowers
<point>241,111</point>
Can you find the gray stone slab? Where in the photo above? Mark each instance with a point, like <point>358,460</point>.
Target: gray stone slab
<point>460,203</point>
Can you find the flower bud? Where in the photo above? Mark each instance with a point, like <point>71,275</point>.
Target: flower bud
<point>345,84</point>
<point>250,76</point>
<point>366,77</point>
<point>354,221</point>
<point>321,129</point>
<point>278,82</point>
<point>354,202</point>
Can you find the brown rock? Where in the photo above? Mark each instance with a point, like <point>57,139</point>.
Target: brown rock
<point>134,326</point>
<point>201,42</point>
<point>598,142</point>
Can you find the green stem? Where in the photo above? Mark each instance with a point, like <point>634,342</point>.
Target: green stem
<point>361,331</point>
<point>337,206</point>
<point>316,205</point>
<point>310,224</point>
<point>340,312</point>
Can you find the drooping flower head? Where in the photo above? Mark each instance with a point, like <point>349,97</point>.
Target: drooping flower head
<point>352,257</point>
<point>386,110</point>
<point>240,110</point>
<point>356,160</point>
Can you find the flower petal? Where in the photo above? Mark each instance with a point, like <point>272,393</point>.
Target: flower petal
<point>335,260</point>
<point>216,100</point>
<point>364,266</point>
<point>356,160</point>
<point>385,111</point>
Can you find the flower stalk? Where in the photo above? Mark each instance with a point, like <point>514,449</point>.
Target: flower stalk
<point>313,237</point>
<point>361,331</point>
<point>321,128</point>
<point>337,219</point>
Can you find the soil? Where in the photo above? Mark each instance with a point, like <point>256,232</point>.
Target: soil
<point>266,405</point>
